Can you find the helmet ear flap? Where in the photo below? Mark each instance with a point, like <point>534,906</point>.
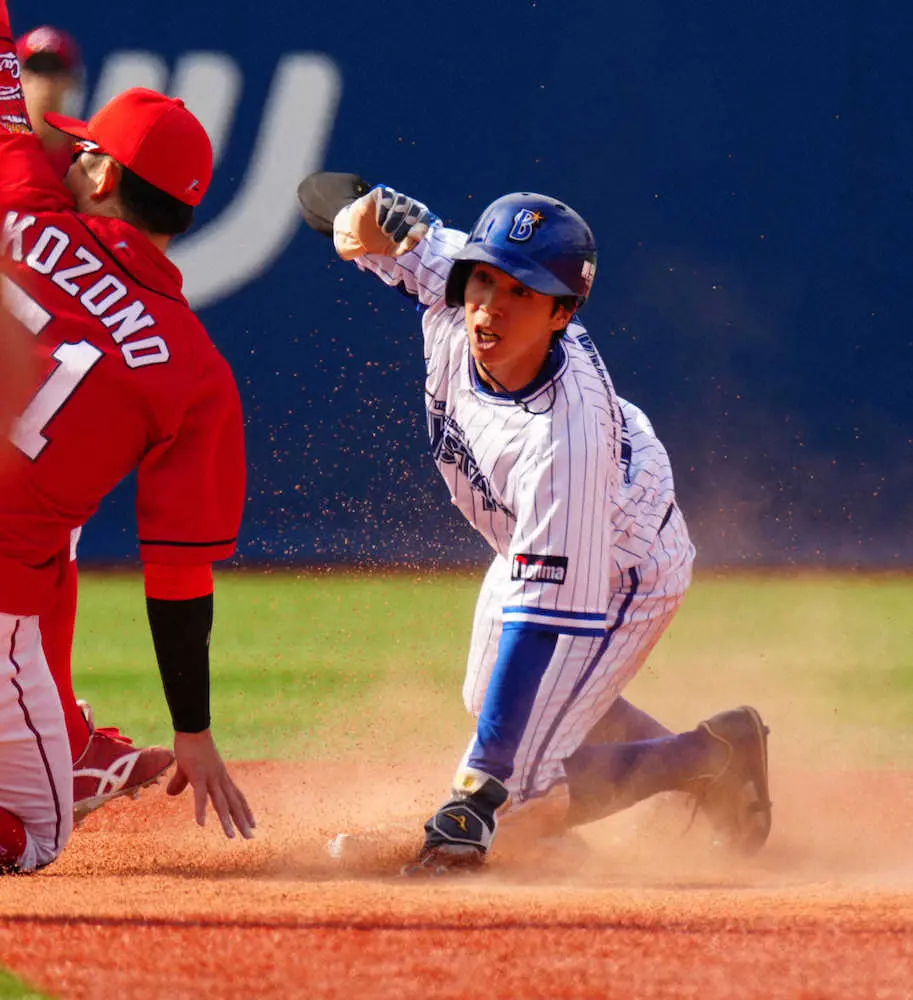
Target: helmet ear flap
<point>455,290</point>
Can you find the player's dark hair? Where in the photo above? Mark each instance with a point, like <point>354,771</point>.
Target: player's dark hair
<point>151,208</point>
<point>568,302</point>
<point>45,64</point>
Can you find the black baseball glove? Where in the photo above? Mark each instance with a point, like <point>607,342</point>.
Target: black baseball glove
<point>323,194</point>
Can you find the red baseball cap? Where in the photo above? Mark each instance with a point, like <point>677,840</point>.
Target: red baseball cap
<point>154,136</point>
<point>58,49</point>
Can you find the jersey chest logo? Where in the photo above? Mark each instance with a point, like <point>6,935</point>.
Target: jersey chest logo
<point>450,447</point>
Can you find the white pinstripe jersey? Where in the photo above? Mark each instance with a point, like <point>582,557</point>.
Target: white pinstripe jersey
<point>572,487</point>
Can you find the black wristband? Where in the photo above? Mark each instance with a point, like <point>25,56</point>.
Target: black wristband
<point>180,634</point>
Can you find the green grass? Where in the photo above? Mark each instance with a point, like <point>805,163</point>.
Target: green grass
<point>329,663</point>
<point>12,988</point>
<point>295,658</point>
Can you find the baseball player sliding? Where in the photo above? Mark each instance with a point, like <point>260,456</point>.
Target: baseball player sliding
<point>573,491</point>
<point>129,380</point>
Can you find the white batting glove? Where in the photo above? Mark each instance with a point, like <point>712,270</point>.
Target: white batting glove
<point>382,222</point>
<point>405,220</point>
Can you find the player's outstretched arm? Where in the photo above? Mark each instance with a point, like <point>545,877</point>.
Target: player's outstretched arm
<point>200,765</point>
<point>179,603</point>
<point>391,235</point>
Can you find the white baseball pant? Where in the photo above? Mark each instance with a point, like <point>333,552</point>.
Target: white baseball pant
<point>36,771</point>
<point>585,675</point>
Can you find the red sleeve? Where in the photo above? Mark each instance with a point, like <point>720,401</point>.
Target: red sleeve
<point>26,173</point>
<point>191,486</point>
<point>177,583</point>
<point>13,116</point>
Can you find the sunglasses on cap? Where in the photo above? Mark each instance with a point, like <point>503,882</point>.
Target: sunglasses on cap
<point>86,146</point>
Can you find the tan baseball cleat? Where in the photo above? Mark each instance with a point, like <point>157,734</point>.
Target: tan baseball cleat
<point>737,800</point>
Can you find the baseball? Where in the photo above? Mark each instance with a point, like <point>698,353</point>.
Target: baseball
<point>336,846</point>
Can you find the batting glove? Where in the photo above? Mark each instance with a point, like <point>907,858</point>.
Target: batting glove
<point>381,222</point>
<point>404,220</point>
<point>459,834</point>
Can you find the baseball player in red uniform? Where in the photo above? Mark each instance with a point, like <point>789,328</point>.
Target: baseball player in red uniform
<point>51,74</point>
<point>130,381</point>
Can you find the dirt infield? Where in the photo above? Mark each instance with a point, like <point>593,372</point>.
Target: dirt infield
<point>145,905</point>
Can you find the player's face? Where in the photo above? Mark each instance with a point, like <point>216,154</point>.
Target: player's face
<point>510,326</point>
<point>86,178</point>
<point>46,92</point>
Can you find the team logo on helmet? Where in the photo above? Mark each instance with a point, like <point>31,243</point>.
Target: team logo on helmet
<point>525,224</point>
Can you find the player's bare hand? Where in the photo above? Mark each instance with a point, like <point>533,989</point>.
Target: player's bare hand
<point>200,765</point>
<point>381,222</point>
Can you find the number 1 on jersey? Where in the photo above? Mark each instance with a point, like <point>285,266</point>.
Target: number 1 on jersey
<point>74,362</point>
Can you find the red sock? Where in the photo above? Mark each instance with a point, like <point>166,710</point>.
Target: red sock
<point>12,838</point>
<point>57,626</point>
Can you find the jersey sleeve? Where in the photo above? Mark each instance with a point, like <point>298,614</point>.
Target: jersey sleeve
<point>13,116</point>
<point>191,486</point>
<point>422,272</point>
<point>26,174</point>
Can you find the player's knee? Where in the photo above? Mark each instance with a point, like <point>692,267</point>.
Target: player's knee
<point>27,848</point>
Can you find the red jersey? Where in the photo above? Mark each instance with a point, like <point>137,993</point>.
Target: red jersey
<point>61,157</point>
<point>131,381</point>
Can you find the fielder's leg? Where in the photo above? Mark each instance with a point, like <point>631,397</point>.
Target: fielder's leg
<point>57,627</point>
<point>106,764</point>
<point>36,772</point>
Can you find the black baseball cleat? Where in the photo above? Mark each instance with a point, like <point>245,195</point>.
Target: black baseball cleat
<point>737,800</point>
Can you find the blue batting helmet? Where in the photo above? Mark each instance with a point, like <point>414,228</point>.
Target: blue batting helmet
<point>533,238</point>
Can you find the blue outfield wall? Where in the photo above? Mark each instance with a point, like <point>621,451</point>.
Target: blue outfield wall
<point>746,169</point>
